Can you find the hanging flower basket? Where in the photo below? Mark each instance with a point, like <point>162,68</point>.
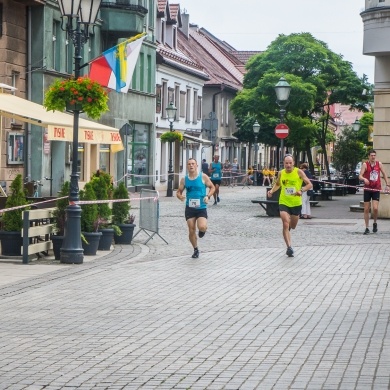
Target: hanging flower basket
<point>81,94</point>
<point>171,136</point>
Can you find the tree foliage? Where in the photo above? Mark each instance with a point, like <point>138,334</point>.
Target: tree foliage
<point>318,78</point>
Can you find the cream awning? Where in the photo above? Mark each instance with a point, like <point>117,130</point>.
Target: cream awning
<point>59,124</point>
<point>197,140</point>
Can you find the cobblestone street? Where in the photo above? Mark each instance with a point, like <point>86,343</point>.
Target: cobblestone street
<point>242,316</point>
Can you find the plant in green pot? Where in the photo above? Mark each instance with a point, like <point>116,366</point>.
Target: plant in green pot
<point>101,183</point>
<point>12,221</point>
<point>59,215</point>
<point>121,215</point>
<point>89,221</point>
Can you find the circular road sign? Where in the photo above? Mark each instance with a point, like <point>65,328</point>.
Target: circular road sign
<point>281,130</point>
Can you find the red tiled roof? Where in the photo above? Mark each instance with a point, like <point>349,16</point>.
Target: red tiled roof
<point>244,56</point>
<point>215,61</point>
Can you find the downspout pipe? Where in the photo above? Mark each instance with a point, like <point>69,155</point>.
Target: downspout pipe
<point>214,99</point>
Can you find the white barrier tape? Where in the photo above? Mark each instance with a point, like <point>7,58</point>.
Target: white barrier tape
<point>30,204</point>
<point>155,198</point>
<point>350,186</point>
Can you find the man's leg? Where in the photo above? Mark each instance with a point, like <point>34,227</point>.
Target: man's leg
<point>285,216</point>
<point>367,213</point>
<point>375,205</point>
<point>191,223</point>
<point>202,225</point>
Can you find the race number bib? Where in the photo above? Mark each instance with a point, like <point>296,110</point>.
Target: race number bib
<point>289,191</point>
<point>194,203</point>
<point>215,175</point>
<point>373,176</point>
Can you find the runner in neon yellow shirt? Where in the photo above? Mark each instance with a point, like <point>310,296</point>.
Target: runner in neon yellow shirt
<point>290,181</point>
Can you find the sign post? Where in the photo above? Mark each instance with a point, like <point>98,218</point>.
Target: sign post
<point>281,131</point>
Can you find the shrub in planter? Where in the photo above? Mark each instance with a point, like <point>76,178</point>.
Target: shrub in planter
<point>59,215</point>
<point>12,221</point>
<point>89,221</point>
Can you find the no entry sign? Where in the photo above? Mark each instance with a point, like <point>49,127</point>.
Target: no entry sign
<point>281,130</point>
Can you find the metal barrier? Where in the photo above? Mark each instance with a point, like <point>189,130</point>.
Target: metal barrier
<point>149,214</point>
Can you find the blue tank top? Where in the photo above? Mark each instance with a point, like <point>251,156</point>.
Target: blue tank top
<point>195,192</point>
<point>217,173</point>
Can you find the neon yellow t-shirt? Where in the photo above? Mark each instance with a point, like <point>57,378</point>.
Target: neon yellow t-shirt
<point>290,183</point>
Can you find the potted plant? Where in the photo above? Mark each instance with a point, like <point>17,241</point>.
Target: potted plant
<point>121,215</point>
<point>171,136</point>
<point>82,93</point>
<point>12,221</point>
<point>101,183</point>
<point>89,221</point>
<point>59,215</point>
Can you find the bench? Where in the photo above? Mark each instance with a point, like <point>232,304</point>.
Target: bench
<point>271,207</point>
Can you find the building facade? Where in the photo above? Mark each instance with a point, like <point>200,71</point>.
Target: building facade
<point>376,19</point>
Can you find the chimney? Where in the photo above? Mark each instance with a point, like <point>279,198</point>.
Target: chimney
<point>185,21</point>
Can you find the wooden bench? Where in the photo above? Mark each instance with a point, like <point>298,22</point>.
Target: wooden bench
<point>37,227</point>
<point>271,207</point>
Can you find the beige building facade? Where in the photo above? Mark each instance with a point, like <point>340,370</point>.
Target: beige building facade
<point>376,42</point>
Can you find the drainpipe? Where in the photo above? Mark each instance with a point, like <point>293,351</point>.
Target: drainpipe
<point>28,129</point>
<point>214,95</point>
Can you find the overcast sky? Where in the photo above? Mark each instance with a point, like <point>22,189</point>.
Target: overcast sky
<point>254,24</point>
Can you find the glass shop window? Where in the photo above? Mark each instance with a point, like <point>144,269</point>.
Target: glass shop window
<point>15,148</point>
<point>104,157</point>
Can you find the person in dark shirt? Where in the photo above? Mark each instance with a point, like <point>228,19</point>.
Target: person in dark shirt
<point>205,167</point>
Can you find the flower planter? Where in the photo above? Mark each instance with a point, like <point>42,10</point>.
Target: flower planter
<point>106,239</point>
<point>93,239</point>
<point>127,234</point>
<point>74,107</point>
<point>57,244</point>
<point>11,243</point>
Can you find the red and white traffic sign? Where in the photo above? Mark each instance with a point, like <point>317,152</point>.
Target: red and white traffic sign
<point>281,130</point>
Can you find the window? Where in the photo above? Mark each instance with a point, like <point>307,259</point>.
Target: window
<point>171,96</point>
<point>195,107</point>
<point>222,110</point>
<point>158,99</point>
<point>56,47</point>
<point>141,72</point>
<point>227,112</point>
<point>149,73</point>
<point>199,108</point>
<point>164,99</point>
<point>15,148</point>
<point>104,157</point>
<point>188,105</point>
<point>80,161</point>
<point>182,111</point>
<point>177,97</point>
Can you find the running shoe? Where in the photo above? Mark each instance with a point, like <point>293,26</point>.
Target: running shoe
<point>375,227</point>
<point>218,199</point>
<point>290,252</point>
<point>195,255</point>
<point>215,202</point>
<point>367,231</point>
<point>201,234</point>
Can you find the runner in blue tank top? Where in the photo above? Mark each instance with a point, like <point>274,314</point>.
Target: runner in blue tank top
<point>216,176</point>
<point>196,202</point>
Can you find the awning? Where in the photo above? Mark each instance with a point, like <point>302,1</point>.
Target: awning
<point>196,139</point>
<point>59,124</point>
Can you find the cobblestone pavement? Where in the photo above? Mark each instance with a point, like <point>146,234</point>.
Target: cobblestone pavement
<point>242,316</point>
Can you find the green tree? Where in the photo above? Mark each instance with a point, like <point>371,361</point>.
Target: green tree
<point>348,151</point>
<point>318,78</point>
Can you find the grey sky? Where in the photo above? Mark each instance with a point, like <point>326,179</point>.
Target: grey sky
<point>254,24</point>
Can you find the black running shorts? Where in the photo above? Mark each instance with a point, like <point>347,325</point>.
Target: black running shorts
<point>192,212</point>
<point>368,195</point>
<point>291,210</point>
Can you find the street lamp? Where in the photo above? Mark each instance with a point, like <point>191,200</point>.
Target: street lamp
<point>356,125</point>
<point>282,90</point>
<point>171,115</point>
<point>77,13</point>
<point>256,129</point>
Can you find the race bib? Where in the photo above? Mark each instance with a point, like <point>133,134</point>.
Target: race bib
<point>373,176</point>
<point>194,203</point>
<point>215,175</point>
<point>289,190</point>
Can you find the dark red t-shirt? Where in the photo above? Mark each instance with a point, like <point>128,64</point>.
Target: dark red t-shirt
<point>373,174</point>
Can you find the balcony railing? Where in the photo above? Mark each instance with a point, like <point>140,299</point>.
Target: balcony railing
<point>132,5</point>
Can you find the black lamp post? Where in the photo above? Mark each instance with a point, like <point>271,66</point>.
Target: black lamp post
<point>76,13</point>
<point>256,129</point>
<point>282,90</point>
<point>171,116</point>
